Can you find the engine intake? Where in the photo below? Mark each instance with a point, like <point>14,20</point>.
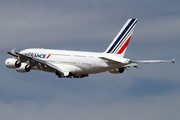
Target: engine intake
<point>121,70</point>
<point>23,68</point>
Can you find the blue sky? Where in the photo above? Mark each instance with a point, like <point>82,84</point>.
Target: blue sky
<point>151,92</point>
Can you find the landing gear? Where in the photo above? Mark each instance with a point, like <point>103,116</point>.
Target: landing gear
<point>71,75</point>
<point>58,74</point>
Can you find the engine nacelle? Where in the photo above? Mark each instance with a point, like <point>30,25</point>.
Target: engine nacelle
<point>121,69</point>
<point>117,70</point>
<point>12,63</point>
<point>23,68</point>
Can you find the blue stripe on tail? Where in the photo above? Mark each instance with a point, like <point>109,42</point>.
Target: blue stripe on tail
<point>119,40</point>
<point>122,40</point>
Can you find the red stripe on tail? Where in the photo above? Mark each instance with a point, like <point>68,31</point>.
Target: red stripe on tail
<point>124,46</point>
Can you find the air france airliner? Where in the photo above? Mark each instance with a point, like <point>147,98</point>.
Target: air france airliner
<point>79,64</point>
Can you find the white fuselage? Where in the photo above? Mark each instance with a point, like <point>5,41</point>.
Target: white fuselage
<point>79,64</point>
<point>76,61</point>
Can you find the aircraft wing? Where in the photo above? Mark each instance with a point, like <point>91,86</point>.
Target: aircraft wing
<point>36,63</point>
<point>135,63</point>
<point>152,61</point>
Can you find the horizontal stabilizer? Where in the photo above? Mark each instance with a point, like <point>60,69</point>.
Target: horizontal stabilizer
<point>116,60</point>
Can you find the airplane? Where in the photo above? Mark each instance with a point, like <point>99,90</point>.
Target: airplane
<point>79,64</point>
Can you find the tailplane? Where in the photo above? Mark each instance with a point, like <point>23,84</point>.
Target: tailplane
<point>121,41</point>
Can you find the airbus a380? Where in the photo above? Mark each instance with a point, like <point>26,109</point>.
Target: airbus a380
<point>79,64</point>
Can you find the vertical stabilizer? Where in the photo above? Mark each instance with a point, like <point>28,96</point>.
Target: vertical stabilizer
<point>121,41</point>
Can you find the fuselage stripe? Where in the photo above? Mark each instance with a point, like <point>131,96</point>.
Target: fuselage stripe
<point>48,56</point>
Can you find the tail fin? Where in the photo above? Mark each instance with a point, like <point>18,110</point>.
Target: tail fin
<point>121,41</point>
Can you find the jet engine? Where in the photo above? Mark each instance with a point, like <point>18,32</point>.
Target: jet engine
<point>117,70</point>
<point>23,68</point>
<point>121,70</point>
<point>12,63</point>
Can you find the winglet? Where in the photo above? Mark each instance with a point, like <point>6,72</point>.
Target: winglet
<point>173,60</point>
<point>12,52</point>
